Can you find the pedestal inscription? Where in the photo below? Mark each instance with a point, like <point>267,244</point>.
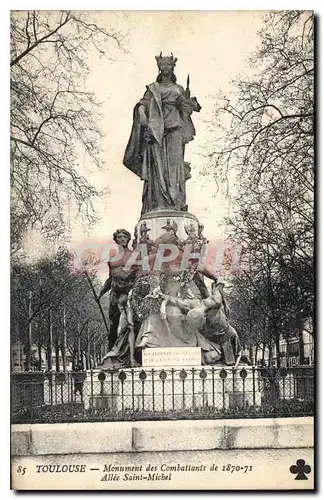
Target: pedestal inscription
<point>171,356</point>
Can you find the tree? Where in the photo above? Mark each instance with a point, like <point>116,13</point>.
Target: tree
<point>54,119</point>
<point>265,152</point>
<point>248,316</point>
<point>52,306</point>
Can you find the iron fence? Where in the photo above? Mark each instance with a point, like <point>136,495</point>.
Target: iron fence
<point>152,394</point>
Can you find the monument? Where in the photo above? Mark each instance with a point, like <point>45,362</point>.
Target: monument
<point>157,294</point>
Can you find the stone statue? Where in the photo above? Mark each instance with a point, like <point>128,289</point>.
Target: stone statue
<point>143,300</point>
<point>119,284</point>
<point>153,318</point>
<point>208,320</point>
<point>170,234</point>
<point>161,299</point>
<point>195,242</point>
<point>200,231</point>
<point>135,239</point>
<point>122,353</point>
<point>160,320</point>
<point>144,237</point>
<point>162,126</point>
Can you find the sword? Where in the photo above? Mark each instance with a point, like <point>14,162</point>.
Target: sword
<point>187,91</point>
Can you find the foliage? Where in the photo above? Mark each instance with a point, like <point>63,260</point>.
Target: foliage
<point>51,295</point>
<point>265,153</point>
<point>54,118</point>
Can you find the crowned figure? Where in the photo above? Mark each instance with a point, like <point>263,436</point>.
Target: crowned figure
<point>162,126</point>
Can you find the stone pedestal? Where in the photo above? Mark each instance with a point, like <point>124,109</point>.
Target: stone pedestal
<point>171,356</point>
<point>157,219</point>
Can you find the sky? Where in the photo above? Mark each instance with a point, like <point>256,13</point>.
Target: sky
<point>213,47</point>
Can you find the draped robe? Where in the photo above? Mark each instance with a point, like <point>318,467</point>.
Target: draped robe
<point>160,161</point>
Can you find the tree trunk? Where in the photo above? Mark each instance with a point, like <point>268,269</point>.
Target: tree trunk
<point>263,353</point>
<point>50,343</point>
<point>12,364</point>
<point>19,356</point>
<point>79,346</point>
<point>256,355</point>
<point>29,338</point>
<point>74,358</point>
<point>94,353</point>
<point>28,355</point>
<point>270,353</point>
<point>87,358</point>
<point>64,342</point>
<point>88,350</point>
<point>57,356</point>
<point>48,358</point>
<point>251,353</point>
<point>278,349</point>
<point>301,324</point>
<point>39,356</point>
<point>84,361</point>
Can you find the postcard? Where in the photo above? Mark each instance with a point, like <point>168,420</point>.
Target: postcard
<point>162,250</point>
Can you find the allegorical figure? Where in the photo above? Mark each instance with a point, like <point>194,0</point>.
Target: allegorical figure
<point>120,282</point>
<point>208,320</point>
<point>162,127</point>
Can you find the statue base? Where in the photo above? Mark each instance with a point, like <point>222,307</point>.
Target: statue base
<point>164,307</point>
<point>157,220</point>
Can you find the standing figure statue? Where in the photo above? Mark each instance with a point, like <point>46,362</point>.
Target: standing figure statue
<point>143,300</point>
<point>195,242</point>
<point>120,282</point>
<point>144,237</point>
<point>162,127</point>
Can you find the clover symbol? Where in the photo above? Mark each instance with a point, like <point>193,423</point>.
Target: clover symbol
<point>300,469</point>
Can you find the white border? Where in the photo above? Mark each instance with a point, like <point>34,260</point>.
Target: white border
<point>4,172</point>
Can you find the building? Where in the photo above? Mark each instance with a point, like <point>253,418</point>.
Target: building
<point>18,359</point>
<point>289,352</point>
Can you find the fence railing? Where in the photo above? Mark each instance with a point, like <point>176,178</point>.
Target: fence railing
<point>150,394</point>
